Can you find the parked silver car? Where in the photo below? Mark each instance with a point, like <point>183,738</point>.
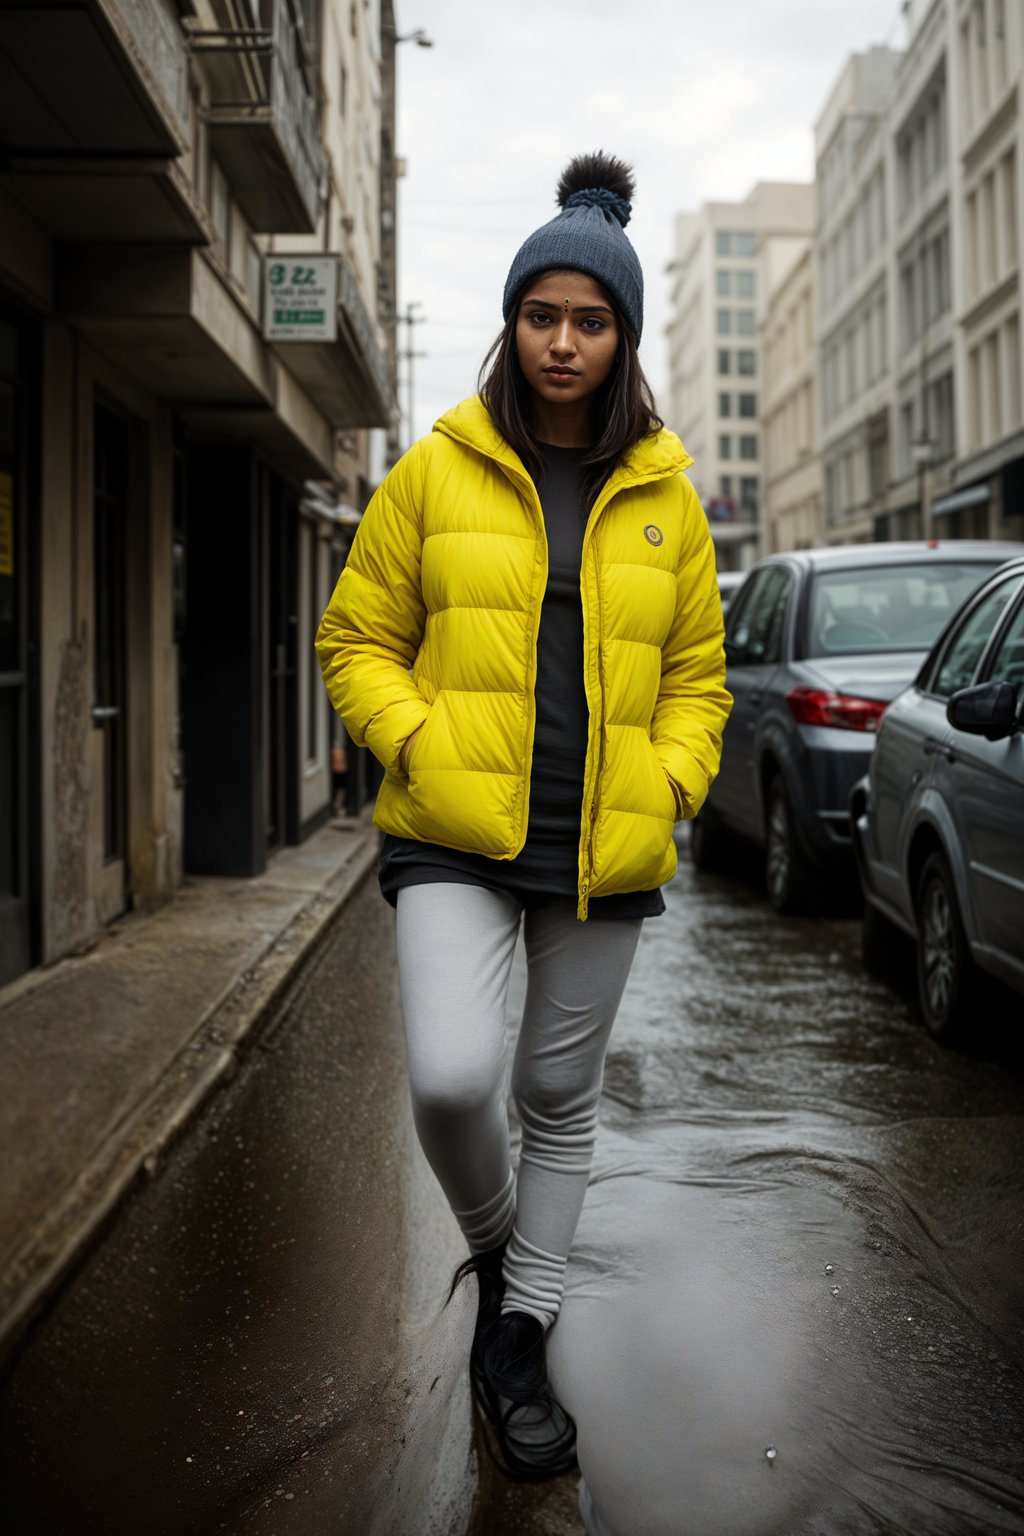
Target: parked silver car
<point>817,643</point>
<point>938,822</point>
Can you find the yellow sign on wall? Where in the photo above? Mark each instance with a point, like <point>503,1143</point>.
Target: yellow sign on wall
<point>6,525</point>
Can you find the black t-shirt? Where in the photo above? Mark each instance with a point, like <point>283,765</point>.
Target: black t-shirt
<point>547,865</point>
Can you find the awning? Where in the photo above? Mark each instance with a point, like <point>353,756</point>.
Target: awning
<point>970,496</point>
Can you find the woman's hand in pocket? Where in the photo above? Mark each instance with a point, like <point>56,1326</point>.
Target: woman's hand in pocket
<point>406,749</point>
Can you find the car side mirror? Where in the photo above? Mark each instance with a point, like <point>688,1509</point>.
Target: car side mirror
<point>989,710</point>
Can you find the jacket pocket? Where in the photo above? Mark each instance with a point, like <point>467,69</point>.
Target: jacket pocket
<point>665,801</point>
<point>404,776</point>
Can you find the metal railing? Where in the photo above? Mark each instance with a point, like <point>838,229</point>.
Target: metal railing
<point>274,82</point>
<point>155,27</point>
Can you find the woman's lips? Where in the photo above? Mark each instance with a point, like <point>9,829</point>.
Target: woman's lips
<point>561,375</point>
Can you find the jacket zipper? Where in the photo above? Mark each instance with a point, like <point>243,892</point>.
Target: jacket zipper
<point>591,789</point>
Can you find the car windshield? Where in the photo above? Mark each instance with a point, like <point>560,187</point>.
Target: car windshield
<point>887,607</point>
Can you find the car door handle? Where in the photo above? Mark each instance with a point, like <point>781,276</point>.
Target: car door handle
<point>940,748</point>
<point>756,698</point>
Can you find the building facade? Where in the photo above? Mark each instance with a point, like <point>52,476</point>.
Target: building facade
<point>162,558</point>
<point>792,469</point>
<point>715,364</point>
<point>986,128</point>
<point>923,426</point>
<point>853,238</point>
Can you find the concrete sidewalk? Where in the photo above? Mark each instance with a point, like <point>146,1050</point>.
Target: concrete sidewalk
<point>105,1058</point>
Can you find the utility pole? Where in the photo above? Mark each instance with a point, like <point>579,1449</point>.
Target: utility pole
<point>409,353</point>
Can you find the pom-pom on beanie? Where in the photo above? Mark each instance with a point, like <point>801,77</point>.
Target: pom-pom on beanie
<point>594,193</point>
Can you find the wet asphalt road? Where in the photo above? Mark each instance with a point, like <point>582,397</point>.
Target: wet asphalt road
<point>805,1231</point>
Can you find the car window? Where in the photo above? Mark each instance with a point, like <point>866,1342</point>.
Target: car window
<point>773,628</point>
<point>879,608</point>
<point>1007,664</point>
<point>967,643</point>
<point>755,636</point>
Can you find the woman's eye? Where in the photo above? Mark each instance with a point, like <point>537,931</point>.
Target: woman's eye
<point>538,315</point>
<point>592,323</point>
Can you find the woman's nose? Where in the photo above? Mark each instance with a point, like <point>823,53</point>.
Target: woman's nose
<point>562,339</point>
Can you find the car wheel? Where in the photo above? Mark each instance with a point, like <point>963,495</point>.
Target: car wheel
<point>707,841</point>
<point>945,970</point>
<point>879,942</point>
<point>787,872</point>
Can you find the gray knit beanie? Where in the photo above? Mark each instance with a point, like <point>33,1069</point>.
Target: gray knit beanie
<point>587,236</point>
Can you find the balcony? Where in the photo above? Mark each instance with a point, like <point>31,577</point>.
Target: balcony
<point>93,77</point>
<point>262,117</point>
<point>95,117</point>
<point>348,379</point>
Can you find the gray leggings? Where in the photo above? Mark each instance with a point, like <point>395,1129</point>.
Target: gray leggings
<point>455,949</point>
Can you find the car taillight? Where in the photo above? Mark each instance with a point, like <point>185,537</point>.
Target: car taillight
<point>813,706</point>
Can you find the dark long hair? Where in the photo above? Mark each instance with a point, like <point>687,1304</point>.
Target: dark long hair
<point>624,407</point>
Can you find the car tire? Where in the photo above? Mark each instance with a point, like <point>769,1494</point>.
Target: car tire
<point>786,868</point>
<point>708,842</point>
<point>879,942</point>
<point>946,973</point>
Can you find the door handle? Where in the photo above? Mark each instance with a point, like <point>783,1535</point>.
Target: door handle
<point>756,698</point>
<point>932,744</point>
<point>101,712</point>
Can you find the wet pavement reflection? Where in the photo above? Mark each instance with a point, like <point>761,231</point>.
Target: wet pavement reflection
<point>795,1300</point>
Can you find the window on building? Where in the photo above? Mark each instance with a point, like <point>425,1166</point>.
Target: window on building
<point>748,493</point>
<point>1010,232</point>
<point>744,244</point>
<point>342,89</point>
<point>723,322</point>
<point>748,446</point>
<point>940,416</point>
<point>725,405</point>
<point>220,204</point>
<point>747,361</point>
<point>725,485</point>
<point>723,284</point>
<point>745,285</point>
<point>745,322</point>
<point>253,273</point>
<point>724,361</point>
<point>906,437</point>
<point>1011,338</point>
<point>723,243</point>
<point>748,405</point>
<point>725,447</point>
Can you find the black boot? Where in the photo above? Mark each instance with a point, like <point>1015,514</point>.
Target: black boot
<point>535,1436</point>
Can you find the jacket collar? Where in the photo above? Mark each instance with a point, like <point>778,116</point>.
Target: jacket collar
<point>653,458</point>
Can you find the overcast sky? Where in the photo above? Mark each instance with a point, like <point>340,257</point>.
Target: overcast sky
<point>704,100</point>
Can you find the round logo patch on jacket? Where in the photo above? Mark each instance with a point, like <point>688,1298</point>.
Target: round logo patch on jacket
<point>653,534</point>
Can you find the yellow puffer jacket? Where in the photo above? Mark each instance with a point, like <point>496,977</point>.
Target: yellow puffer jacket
<point>434,623</point>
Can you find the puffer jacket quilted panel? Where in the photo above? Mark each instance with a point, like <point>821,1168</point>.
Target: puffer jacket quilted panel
<point>434,623</point>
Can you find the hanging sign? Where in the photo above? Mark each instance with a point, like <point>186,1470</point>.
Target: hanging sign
<point>300,297</point>
<point>6,525</point>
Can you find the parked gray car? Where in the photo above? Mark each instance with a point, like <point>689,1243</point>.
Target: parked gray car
<point>938,822</point>
<point>817,645</point>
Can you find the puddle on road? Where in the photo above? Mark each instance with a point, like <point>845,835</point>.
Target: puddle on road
<point>803,1237</point>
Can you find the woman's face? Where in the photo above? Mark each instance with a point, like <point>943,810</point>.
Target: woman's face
<point>566,336</point>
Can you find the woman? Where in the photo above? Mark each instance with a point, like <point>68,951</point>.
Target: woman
<point>528,635</point>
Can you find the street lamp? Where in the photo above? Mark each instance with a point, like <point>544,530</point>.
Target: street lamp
<point>419,37</point>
